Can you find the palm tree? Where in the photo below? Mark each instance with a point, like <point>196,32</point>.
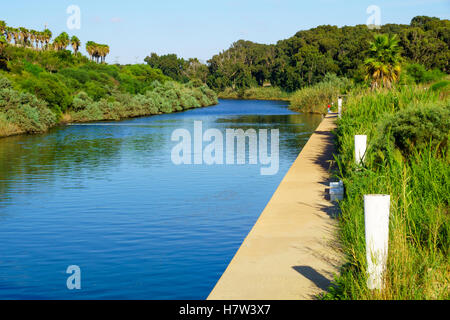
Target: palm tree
<point>47,37</point>
<point>75,43</point>
<point>2,27</point>
<point>33,38</point>
<point>41,39</point>
<point>9,34</point>
<point>104,51</point>
<point>24,34</point>
<point>97,52</point>
<point>61,42</point>
<point>16,35</point>
<point>383,65</point>
<point>90,49</point>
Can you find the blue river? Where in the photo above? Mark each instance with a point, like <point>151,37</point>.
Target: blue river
<point>107,197</point>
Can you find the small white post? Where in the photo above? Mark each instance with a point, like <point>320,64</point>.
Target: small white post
<point>360,149</point>
<point>340,107</point>
<point>376,218</point>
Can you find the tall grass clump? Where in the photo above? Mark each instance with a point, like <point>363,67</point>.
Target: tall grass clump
<point>408,159</point>
<point>315,99</point>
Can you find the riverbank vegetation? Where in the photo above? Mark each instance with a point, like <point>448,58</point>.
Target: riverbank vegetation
<point>408,129</point>
<point>256,93</point>
<point>43,84</point>
<point>407,122</point>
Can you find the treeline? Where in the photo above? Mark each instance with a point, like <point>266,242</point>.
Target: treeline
<point>178,69</point>
<point>307,57</point>
<point>304,59</point>
<point>42,40</point>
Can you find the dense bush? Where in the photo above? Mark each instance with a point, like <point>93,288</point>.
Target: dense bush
<point>415,129</point>
<point>441,85</point>
<point>162,98</point>
<point>48,88</point>
<point>417,73</point>
<point>22,112</point>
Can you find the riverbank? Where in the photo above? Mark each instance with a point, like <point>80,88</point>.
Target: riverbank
<point>24,113</point>
<point>289,252</point>
<point>407,158</point>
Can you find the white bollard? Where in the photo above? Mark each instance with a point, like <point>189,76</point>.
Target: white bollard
<point>376,218</point>
<point>360,149</point>
<point>340,107</point>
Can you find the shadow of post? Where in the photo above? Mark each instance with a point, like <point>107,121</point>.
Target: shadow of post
<point>318,279</point>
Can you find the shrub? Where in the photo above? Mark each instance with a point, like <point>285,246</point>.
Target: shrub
<point>5,83</point>
<point>48,88</point>
<point>81,101</point>
<point>23,111</point>
<point>415,128</point>
<point>419,74</point>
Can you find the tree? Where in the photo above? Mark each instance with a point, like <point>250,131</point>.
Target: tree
<point>383,65</point>
<point>170,65</point>
<point>61,42</point>
<point>24,34</point>
<point>2,27</point>
<point>97,52</point>
<point>75,43</point>
<point>47,36</point>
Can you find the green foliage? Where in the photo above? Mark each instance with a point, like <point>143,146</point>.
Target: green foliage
<point>415,129</point>
<point>22,112</point>
<point>162,98</point>
<point>440,85</point>
<point>412,167</point>
<point>419,74</point>
<point>48,88</point>
<point>304,59</point>
<point>256,93</point>
<point>179,69</point>
<point>383,62</point>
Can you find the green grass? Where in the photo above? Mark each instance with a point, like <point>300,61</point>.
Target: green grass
<point>419,185</point>
<point>315,99</point>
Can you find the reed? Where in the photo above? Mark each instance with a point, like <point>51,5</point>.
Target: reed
<point>419,184</point>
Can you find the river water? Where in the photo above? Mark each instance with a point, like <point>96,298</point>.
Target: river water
<point>106,197</point>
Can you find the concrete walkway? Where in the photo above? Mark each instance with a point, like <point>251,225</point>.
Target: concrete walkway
<point>289,254</point>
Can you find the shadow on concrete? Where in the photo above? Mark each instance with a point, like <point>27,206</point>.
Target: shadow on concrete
<point>332,211</point>
<point>311,274</point>
<point>326,159</point>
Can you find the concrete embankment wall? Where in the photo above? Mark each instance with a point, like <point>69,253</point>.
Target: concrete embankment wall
<point>290,252</point>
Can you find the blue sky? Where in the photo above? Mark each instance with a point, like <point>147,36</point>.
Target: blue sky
<point>201,28</point>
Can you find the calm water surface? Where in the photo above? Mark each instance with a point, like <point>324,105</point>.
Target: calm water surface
<point>107,197</point>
